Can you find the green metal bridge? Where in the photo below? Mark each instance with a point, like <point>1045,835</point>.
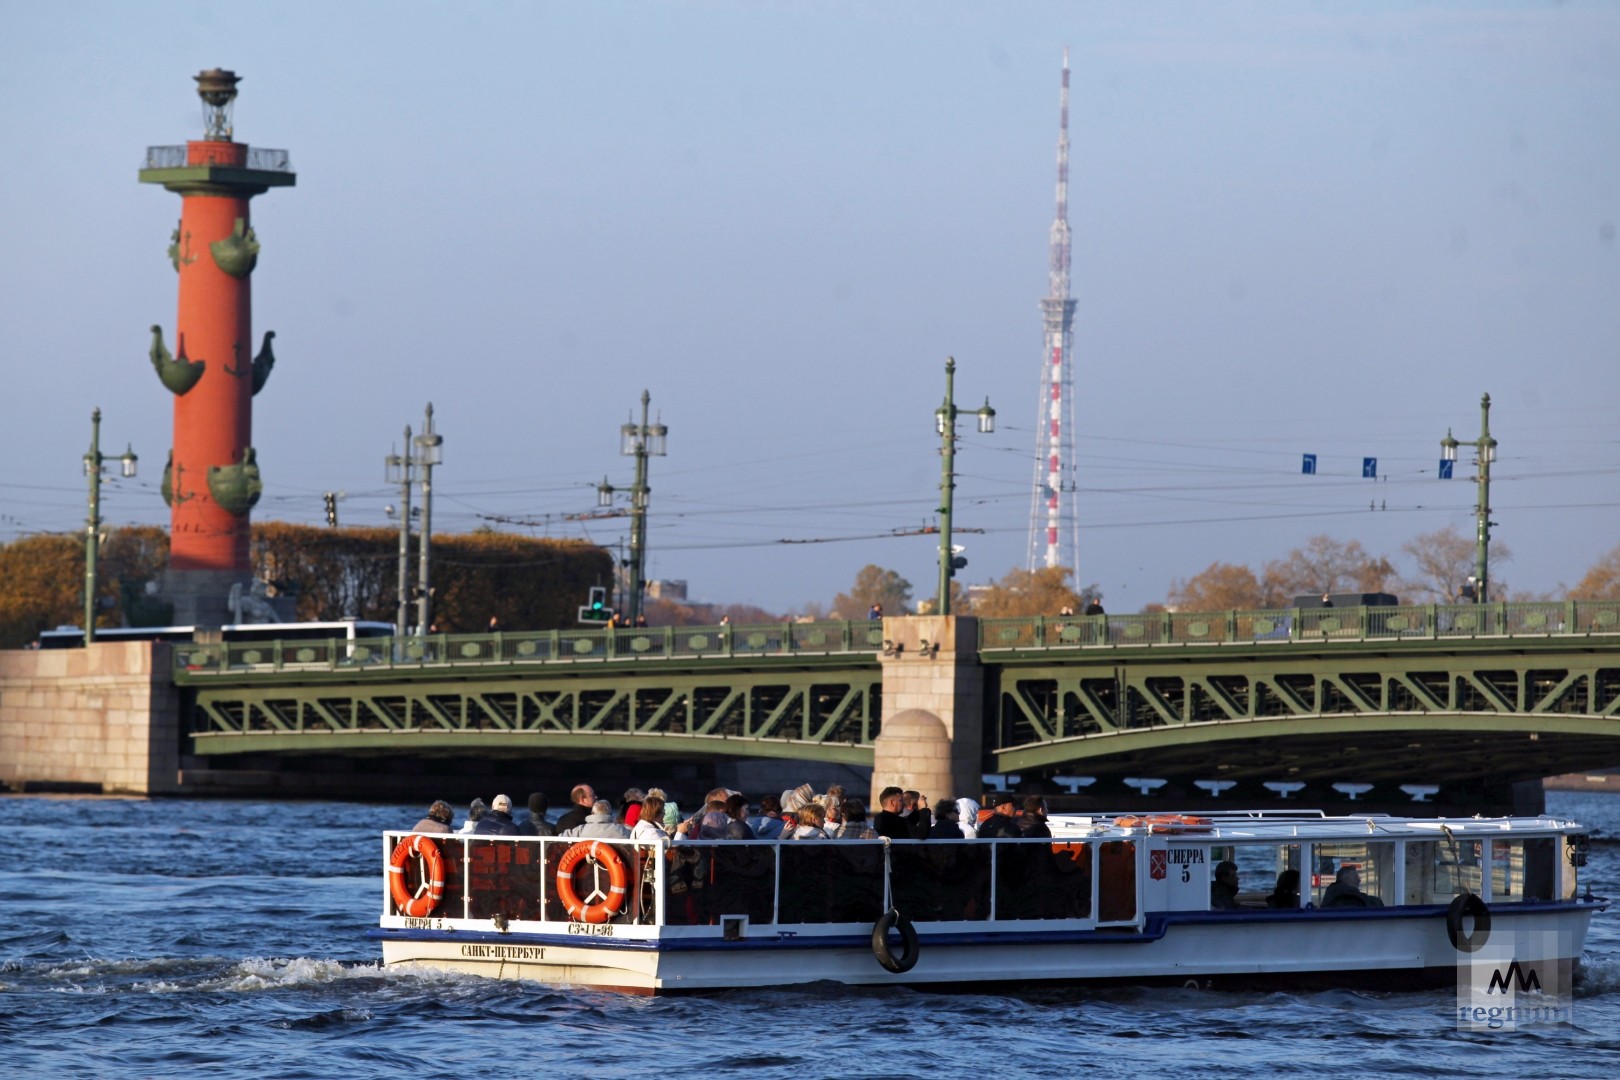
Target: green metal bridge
<point>1504,691</point>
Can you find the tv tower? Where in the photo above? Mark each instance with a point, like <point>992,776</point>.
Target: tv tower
<point>1054,528</point>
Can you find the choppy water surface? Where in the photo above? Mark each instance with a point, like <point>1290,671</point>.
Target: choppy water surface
<point>154,938</point>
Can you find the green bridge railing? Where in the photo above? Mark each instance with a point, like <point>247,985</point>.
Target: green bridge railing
<point>554,646</point>
<point>1427,622</point>
<point>1310,626</point>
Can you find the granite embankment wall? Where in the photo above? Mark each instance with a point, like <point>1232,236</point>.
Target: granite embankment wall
<point>101,719</point>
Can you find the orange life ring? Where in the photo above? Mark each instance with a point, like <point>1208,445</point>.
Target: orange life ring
<point>599,907</point>
<point>431,891</point>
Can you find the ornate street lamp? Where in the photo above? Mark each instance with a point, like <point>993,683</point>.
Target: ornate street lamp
<point>945,423</point>
<point>92,530</point>
<point>1486,449</point>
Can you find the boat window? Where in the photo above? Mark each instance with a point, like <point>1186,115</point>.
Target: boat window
<point>1374,863</point>
<point>1524,870</point>
<point>1036,879</point>
<point>1268,874</point>
<point>827,881</point>
<point>1437,870</point>
<point>941,880</point>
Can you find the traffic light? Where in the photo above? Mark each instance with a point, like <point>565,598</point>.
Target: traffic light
<point>595,609</point>
<point>331,508</point>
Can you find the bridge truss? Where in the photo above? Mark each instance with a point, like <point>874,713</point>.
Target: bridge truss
<point>827,712</point>
<point>1241,713</point>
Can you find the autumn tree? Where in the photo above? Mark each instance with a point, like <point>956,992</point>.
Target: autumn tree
<point>42,581</point>
<point>1324,565</point>
<point>1220,586</point>
<point>1023,592</point>
<point>525,582</point>
<point>874,585</point>
<point>1444,560</point>
<point>1602,581</point>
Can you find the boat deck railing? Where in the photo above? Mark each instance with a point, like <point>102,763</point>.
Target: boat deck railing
<point>793,883</point>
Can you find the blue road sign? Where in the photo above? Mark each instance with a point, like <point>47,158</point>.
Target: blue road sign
<point>1369,468</point>
<point>1445,469</point>
<point>1308,465</point>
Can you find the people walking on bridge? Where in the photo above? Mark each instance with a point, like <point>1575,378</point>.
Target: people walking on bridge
<point>875,613</point>
<point>498,821</point>
<point>1093,606</point>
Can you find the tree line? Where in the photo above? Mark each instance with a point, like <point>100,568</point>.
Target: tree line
<point>525,582</point>
<point>1439,563</point>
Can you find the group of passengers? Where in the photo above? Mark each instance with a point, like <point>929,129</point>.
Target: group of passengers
<point>1345,892</point>
<point>797,814</point>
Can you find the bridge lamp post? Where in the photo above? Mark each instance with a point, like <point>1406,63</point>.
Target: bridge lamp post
<point>398,468</point>
<point>429,452</point>
<point>945,423</point>
<point>639,441</point>
<point>1486,449</point>
<point>93,462</point>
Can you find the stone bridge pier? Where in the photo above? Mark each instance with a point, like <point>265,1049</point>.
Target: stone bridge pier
<point>933,708</point>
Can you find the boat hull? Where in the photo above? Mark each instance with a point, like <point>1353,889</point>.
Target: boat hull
<point>1382,949</point>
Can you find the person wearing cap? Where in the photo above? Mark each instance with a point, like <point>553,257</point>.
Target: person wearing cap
<point>437,820</point>
<point>1003,822</point>
<point>498,822</point>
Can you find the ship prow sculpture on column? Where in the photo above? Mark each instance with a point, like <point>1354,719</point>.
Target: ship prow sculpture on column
<point>212,481</point>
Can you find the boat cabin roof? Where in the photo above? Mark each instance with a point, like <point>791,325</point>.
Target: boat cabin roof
<point>1262,825</point>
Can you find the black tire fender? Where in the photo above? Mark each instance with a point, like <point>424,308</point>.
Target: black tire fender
<point>893,920</point>
<point>1468,905</point>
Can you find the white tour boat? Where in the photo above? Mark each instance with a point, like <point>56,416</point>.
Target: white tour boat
<point>1134,898</point>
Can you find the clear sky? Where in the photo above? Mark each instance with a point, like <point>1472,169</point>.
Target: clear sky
<point>1323,228</point>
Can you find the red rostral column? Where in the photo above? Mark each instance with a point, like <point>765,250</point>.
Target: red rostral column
<point>212,480</point>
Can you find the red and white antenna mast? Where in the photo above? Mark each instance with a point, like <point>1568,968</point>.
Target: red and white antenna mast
<point>1054,529</point>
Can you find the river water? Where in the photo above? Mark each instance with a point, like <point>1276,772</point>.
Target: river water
<point>223,938</point>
